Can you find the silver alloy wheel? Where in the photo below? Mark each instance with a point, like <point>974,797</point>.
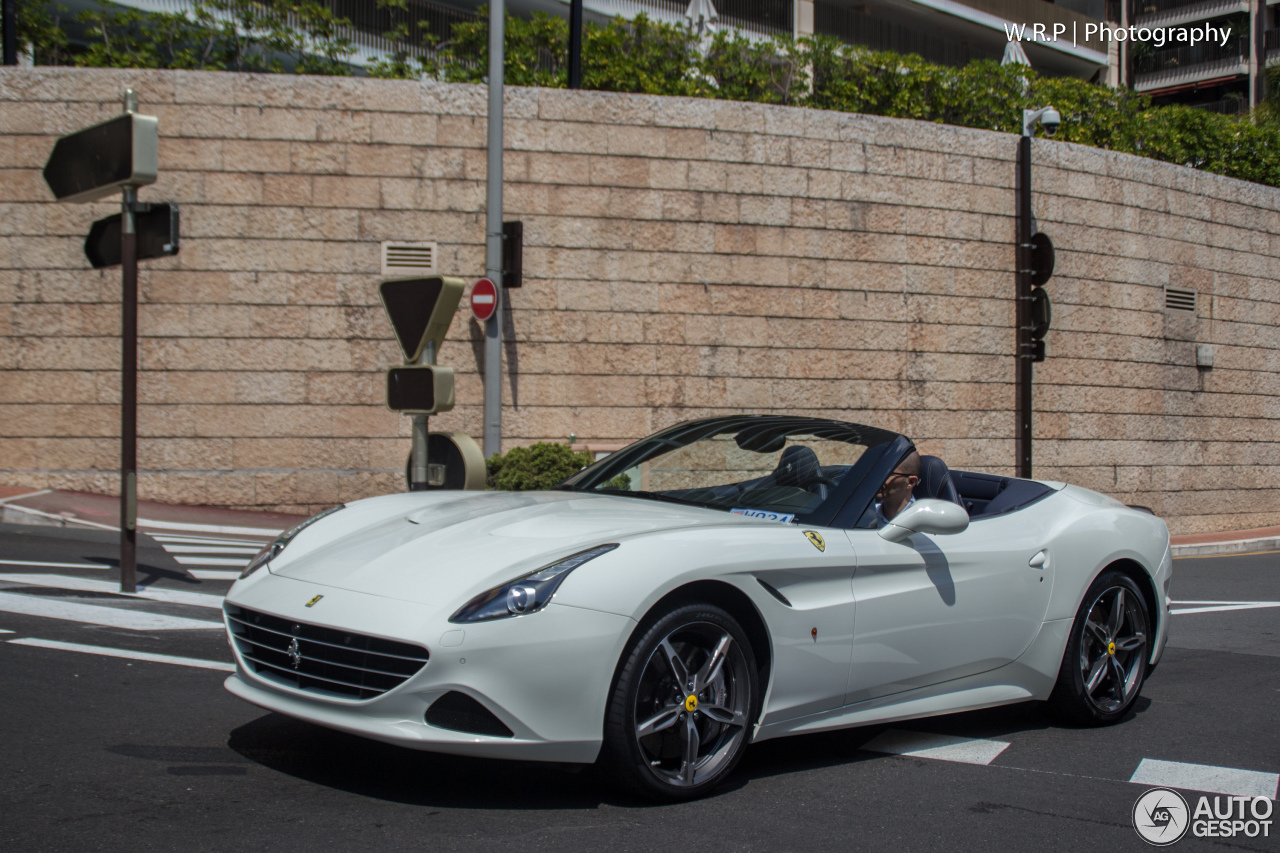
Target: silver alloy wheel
<point>1112,649</point>
<point>692,704</point>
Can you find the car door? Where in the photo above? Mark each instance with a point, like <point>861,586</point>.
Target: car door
<point>807,574</point>
<point>935,608</point>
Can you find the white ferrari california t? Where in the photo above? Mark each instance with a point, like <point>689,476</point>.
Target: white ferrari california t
<point>720,582</point>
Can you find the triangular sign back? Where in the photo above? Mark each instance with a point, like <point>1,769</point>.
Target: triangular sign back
<point>420,310</point>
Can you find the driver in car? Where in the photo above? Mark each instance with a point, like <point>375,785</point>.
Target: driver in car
<point>895,493</point>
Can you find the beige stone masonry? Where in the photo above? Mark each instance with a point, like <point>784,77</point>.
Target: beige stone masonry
<point>682,258</point>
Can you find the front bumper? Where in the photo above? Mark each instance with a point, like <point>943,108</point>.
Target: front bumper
<point>546,675</point>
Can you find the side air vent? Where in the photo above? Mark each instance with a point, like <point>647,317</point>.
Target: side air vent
<point>1178,299</point>
<point>460,713</point>
<point>408,259</point>
<point>772,590</point>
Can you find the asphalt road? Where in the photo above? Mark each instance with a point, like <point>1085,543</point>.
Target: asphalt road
<point>104,753</point>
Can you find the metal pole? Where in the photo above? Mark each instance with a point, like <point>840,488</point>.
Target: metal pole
<point>575,44</point>
<point>1022,289</point>
<point>493,236</point>
<point>129,382</point>
<point>418,469</point>
<point>10,14</point>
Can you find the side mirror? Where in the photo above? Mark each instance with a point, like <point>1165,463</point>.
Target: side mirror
<point>928,515</point>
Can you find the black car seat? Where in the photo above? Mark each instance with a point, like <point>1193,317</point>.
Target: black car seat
<point>798,466</point>
<point>935,481</point>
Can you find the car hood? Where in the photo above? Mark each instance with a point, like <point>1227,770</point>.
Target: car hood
<point>443,550</point>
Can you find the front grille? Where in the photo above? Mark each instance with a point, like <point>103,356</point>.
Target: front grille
<point>321,660</point>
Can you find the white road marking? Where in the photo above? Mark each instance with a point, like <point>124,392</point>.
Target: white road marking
<point>211,561</point>
<point>30,605</point>
<point>54,565</point>
<point>123,653</point>
<point>213,575</point>
<point>5,631</point>
<point>941,747</point>
<point>1222,606</point>
<point>69,519</point>
<point>26,495</point>
<point>1206,777</point>
<point>172,596</point>
<point>209,528</point>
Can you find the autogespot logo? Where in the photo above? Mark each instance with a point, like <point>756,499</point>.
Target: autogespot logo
<point>1160,816</point>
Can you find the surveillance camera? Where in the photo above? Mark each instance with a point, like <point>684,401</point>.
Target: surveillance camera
<point>1051,121</point>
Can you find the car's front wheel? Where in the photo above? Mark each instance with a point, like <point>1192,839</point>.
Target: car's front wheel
<point>1106,659</point>
<point>680,712</point>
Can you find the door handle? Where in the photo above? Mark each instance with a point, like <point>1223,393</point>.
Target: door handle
<point>1040,560</point>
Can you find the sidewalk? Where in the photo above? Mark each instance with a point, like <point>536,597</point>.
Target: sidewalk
<point>102,511</point>
<point>60,508</point>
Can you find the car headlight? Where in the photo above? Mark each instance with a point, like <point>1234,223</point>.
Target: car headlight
<point>527,593</point>
<point>267,554</point>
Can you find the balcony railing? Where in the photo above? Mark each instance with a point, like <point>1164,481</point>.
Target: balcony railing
<point>763,17</point>
<point>1272,40</point>
<point>858,28</point>
<point>1142,8</point>
<point>1188,56</point>
<point>1226,106</point>
<point>420,19</point>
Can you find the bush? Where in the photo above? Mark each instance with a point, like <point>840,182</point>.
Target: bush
<point>535,468</point>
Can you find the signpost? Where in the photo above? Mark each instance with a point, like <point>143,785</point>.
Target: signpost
<point>120,155</point>
<point>1034,267</point>
<point>420,310</point>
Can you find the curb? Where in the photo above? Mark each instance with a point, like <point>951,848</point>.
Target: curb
<point>1238,546</point>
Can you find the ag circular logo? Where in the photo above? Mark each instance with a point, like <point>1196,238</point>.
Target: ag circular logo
<point>1161,817</point>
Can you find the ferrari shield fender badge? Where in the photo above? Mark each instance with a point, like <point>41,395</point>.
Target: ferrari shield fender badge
<point>312,602</point>
<point>816,539</point>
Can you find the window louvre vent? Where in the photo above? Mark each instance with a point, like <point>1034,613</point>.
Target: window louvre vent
<point>1177,299</point>
<point>407,259</point>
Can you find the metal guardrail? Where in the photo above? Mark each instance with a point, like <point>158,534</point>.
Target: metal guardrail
<point>1185,57</point>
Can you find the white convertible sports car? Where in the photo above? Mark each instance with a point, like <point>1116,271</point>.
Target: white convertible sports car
<point>721,582</point>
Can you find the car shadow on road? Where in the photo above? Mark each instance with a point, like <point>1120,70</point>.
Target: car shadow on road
<point>368,768</point>
<point>371,769</point>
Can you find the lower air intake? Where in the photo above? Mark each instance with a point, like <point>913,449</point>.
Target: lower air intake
<point>460,713</point>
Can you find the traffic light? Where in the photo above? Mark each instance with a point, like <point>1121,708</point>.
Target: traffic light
<point>420,389</point>
<point>1041,309</point>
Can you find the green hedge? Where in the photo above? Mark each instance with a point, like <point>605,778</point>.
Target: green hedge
<point>650,57</point>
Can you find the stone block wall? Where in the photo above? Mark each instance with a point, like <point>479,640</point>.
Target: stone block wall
<point>682,258</point>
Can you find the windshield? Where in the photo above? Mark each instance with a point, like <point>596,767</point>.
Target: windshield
<point>774,467</point>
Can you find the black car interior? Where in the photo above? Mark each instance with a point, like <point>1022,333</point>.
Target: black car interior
<point>982,495</point>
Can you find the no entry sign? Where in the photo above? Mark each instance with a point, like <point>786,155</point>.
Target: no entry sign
<point>484,299</point>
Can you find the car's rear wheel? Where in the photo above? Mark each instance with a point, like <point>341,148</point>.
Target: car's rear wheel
<point>681,709</point>
<point>1106,659</point>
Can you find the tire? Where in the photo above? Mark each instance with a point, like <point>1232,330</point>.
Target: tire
<point>1105,663</point>
<point>650,747</point>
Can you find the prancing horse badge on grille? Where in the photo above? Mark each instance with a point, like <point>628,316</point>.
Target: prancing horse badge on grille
<point>295,655</point>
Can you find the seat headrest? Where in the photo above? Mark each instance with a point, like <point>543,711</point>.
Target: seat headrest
<point>797,466</point>
<point>935,481</point>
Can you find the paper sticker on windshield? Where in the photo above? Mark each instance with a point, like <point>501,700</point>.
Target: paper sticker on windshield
<point>765,514</point>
